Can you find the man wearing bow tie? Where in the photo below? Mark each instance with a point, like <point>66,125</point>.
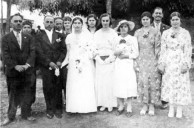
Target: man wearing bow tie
<point>19,55</point>
<point>51,51</point>
<point>157,23</point>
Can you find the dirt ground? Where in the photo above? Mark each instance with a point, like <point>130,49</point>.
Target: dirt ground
<point>96,120</point>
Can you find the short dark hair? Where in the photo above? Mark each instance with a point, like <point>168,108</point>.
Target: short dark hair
<point>57,18</point>
<point>48,16</point>
<point>175,14</point>
<point>17,14</point>
<point>67,18</point>
<point>27,22</point>
<point>90,16</point>
<point>104,15</point>
<point>159,8</point>
<point>77,18</point>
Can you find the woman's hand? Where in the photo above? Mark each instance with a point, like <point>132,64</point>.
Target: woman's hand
<point>99,60</point>
<point>118,52</point>
<point>184,68</point>
<point>161,68</point>
<point>123,57</point>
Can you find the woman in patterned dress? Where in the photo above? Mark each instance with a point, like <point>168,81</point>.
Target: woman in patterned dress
<point>148,80</point>
<point>174,63</point>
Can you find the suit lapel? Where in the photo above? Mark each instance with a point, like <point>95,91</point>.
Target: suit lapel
<point>54,37</point>
<point>14,40</point>
<point>23,41</point>
<point>45,38</point>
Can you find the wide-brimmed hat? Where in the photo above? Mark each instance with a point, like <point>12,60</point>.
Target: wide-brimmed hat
<point>130,23</point>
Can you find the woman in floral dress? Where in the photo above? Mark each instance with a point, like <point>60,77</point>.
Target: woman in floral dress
<point>148,80</point>
<point>80,78</point>
<point>174,63</point>
<point>105,40</point>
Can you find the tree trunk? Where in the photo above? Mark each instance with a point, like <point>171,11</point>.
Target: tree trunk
<point>9,3</point>
<point>2,19</point>
<point>109,6</point>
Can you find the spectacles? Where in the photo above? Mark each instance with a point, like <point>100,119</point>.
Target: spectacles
<point>17,21</point>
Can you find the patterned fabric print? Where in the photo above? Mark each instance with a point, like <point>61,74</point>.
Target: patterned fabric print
<point>148,79</point>
<point>176,52</point>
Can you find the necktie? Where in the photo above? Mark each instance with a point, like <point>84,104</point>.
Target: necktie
<point>158,27</point>
<point>18,38</point>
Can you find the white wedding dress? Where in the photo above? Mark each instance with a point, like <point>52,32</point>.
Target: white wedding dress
<point>80,93</point>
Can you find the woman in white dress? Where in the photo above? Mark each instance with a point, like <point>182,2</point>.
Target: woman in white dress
<point>80,78</point>
<point>126,50</point>
<point>105,39</point>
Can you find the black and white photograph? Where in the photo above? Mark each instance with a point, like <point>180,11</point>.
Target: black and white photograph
<point>97,64</point>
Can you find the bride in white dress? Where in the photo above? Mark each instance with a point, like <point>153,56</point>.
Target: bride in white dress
<point>80,78</point>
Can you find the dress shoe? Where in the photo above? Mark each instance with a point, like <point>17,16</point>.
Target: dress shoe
<point>119,112</point>
<point>31,119</point>
<point>58,115</point>
<point>110,109</point>
<point>49,115</point>
<point>102,109</point>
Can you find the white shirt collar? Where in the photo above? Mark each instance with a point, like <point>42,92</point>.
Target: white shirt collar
<point>49,34</point>
<point>155,24</point>
<point>61,31</point>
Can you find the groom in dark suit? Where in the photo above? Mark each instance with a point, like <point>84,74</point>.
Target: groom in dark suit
<point>19,55</point>
<point>51,51</point>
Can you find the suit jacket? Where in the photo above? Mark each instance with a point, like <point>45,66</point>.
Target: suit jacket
<point>13,55</point>
<point>163,27</point>
<point>47,51</point>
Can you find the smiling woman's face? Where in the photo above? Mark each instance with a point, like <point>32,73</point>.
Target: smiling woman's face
<point>175,22</point>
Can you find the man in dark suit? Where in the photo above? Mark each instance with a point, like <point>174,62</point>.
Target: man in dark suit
<point>157,23</point>
<point>51,51</point>
<point>27,28</point>
<point>63,77</point>
<point>19,56</point>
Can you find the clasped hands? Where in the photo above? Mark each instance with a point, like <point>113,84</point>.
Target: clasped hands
<point>120,55</point>
<point>21,68</point>
<point>55,66</point>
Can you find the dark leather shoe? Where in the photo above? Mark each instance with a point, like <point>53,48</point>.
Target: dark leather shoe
<point>49,115</point>
<point>58,115</point>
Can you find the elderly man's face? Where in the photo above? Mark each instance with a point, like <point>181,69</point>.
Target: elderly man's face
<point>16,23</point>
<point>58,24</point>
<point>49,23</point>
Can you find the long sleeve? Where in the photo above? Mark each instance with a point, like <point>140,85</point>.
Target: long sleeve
<point>187,51</point>
<point>8,60</point>
<point>63,50</point>
<point>31,58</point>
<point>42,58</point>
<point>135,49</point>
<point>163,48</point>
